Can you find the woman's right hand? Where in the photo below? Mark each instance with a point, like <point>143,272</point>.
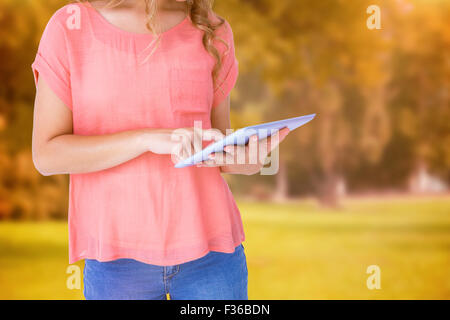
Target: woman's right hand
<point>181,143</point>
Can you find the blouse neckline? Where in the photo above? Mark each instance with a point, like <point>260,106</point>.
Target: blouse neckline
<point>134,34</point>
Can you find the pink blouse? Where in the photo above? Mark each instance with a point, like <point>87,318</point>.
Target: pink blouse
<point>143,209</point>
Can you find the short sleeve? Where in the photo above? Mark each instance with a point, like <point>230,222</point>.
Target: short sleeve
<point>228,73</point>
<point>52,61</point>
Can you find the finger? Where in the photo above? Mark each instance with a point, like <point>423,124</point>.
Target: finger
<point>207,163</point>
<point>284,132</point>
<point>274,140</point>
<point>252,149</point>
<point>240,154</point>
<point>186,150</point>
<point>217,156</point>
<point>221,158</point>
<point>196,142</point>
<point>212,134</point>
<point>227,159</point>
<point>214,159</point>
<point>230,149</point>
<point>175,154</point>
<point>185,140</point>
<point>253,142</point>
<point>253,139</point>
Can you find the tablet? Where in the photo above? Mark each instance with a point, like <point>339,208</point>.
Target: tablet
<point>241,137</point>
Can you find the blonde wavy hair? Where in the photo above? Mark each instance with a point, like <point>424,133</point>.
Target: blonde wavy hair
<point>199,13</point>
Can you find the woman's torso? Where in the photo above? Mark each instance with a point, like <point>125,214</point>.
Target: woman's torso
<point>143,209</point>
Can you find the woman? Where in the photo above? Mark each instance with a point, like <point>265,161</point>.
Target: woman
<point>116,80</point>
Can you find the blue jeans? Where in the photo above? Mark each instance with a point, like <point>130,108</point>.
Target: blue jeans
<point>215,276</point>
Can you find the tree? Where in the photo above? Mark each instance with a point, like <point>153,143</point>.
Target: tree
<point>320,57</point>
<point>420,103</point>
<point>24,193</point>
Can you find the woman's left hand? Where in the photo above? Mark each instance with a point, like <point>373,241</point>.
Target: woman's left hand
<point>248,159</point>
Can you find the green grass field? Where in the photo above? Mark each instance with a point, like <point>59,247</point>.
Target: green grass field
<point>294,251</point>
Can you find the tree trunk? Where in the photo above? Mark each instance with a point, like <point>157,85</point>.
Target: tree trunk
<point>331,189</point>
<point>416,177</point>
<point>281,185</point>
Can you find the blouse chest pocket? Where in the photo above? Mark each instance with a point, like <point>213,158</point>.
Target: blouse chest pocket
<point>191,90</point>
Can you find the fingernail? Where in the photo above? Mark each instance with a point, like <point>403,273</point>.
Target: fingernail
<point>211,156</point>
<point>227,149</point>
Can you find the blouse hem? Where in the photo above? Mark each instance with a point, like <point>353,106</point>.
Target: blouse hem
<point>158,262</point>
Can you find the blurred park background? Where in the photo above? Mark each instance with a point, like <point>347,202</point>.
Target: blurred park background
<point>365,183</point>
